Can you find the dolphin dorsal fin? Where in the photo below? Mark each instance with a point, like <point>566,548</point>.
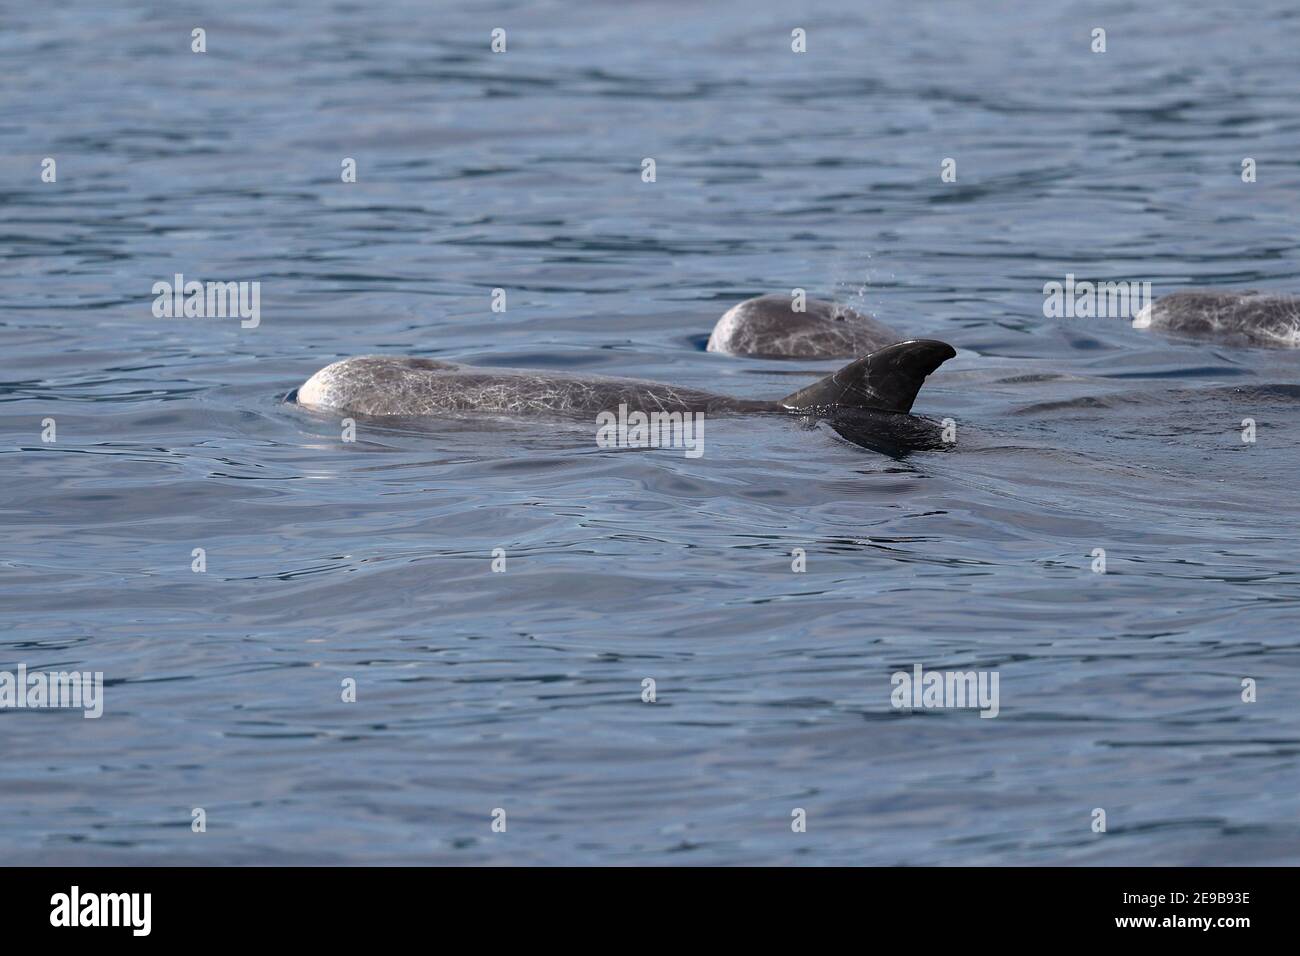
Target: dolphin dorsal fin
<point>887,379</point>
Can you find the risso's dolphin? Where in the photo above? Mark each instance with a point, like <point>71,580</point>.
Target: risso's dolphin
<point>878,389</point>
<point>769,326</point>
<point>1246,318</point>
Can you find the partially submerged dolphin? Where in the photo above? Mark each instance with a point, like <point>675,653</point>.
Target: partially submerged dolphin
<point>877,389</point>
<point>769,326</point>
<point>1248,318</point>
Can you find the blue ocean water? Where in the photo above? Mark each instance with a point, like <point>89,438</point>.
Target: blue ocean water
<point>522,691</point>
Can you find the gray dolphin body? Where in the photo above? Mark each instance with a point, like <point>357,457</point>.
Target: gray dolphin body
<point>768,326</point>
<point>1247,318</point>
<point>882,383</point>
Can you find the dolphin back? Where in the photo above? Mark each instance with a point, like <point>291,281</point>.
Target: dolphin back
<point>1246,318</point>
<point>396,385</point>
<point>887,379</point>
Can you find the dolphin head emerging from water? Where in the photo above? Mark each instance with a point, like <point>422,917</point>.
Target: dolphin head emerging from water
<point>769,326</point>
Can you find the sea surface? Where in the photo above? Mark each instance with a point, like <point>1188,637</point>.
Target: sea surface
<point>368,563</point>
